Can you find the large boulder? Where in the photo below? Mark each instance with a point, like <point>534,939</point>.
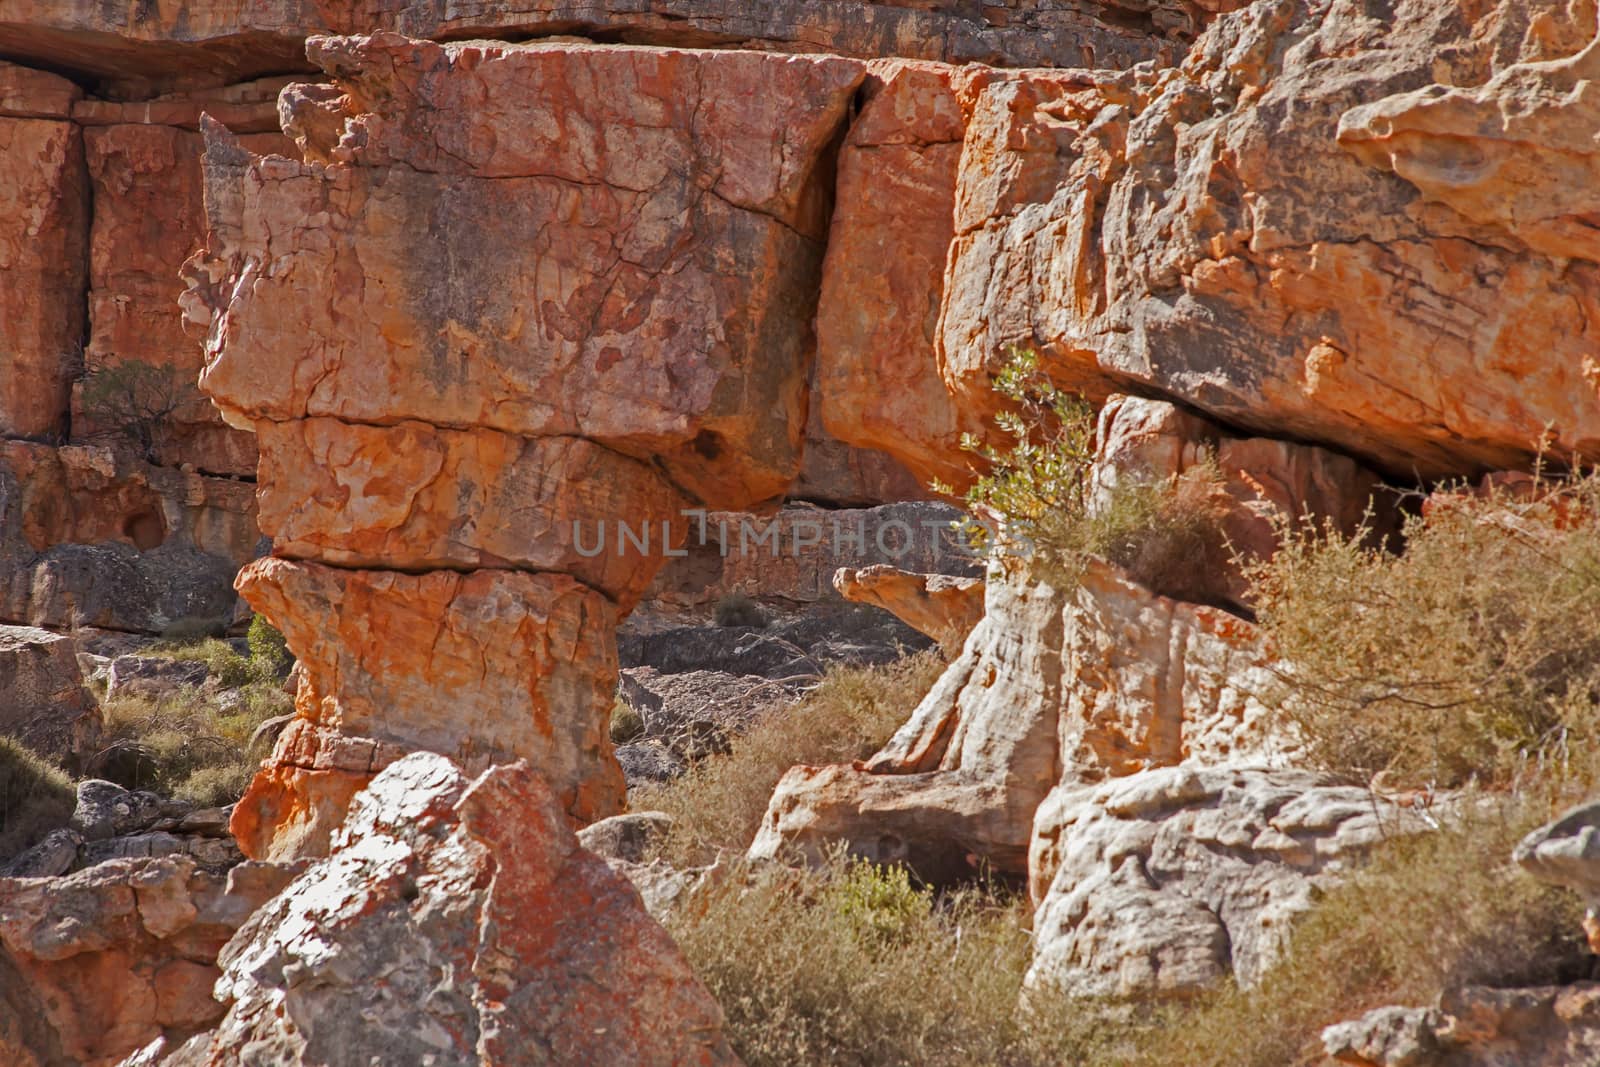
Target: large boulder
<point>458,921</point>
<point>1170,881</point>
<point>99,963</point>
<point>1103,680</point>
<point>43,701</point>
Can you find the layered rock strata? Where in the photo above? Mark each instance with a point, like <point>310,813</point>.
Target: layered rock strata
<point>141,51</point>
<point>454,435</point>
<point>1309,228</point>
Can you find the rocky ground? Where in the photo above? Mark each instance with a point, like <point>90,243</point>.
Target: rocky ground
<point>580,397</point>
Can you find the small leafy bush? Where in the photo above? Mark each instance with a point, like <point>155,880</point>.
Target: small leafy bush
<point>1471,653</point>
<point>35,797</point>
<point>135,402</point>
<point>850,964</point>
<point>1038,494</point>
<point>267,646</point>
<point>719,802</point>
<point>626,723</point>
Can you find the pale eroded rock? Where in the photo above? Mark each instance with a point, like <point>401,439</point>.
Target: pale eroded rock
<point>471,928</point>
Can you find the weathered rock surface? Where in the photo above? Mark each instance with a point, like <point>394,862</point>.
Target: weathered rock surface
<point>99,963</point>
<point>153,677</point>
<point>204,42</point>
<point>487,666</point>
<point>628,837</point>
<point>945,607</point>
<point>148,219</point>
<point>1543,1026</point>
<point>788,560</point>
<point>44,226</point>
<point>1262,482</point>
<point>797,646</point>
<point>43,701</point>
<point>471,927</point>
<point>679,230</point>
<point>1566,852</point>
<point>1103,681</point>
<point>1165,883</point>
<point>418,497</point>
<point>878,374</point>
<point>696,712</point>
<point>1211,233</point>
<point>89,537</point>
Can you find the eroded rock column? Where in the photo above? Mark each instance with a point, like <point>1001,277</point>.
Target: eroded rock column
<point>513,297</point>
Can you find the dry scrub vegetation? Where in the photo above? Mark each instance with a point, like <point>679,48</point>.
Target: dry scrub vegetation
<point>1473,655</point>
<point>1468,661</point>
<point>718,804</point>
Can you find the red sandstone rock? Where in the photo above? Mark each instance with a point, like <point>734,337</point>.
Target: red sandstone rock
<point>458,922</point>
<point>95,964</point>
<point>148,219</point>
<point>654,234</point>
<point>89,537</point>
<point>1202,232</point>
<point>878,373</point>
<point>486,666</point>
<point>413,497</point>
<point>44,220</point>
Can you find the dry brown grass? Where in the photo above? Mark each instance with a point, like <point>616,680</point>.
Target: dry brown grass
<point>1430,912</point>
<point>852,965</point>
<point>718,804</point>
<point>1462,658</point>
<point>187,745</point>
<point>35,797</point>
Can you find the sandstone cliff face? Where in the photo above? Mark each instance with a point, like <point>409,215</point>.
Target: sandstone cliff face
<point>612,326</point>
<point>208,42</point>
<point>1239,232</point>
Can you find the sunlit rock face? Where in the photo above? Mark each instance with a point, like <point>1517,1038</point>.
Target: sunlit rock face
<point>512,297</point>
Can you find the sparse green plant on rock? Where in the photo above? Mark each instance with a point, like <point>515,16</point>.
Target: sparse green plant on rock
<point>1036,498</point>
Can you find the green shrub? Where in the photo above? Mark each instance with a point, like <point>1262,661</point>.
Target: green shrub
<point>135,402</point>
<point>1428,912</point>
<point>1037,492</point>
<point>267,647</point>
<point>851,965</point>
<point>719,802</point>
<point>1471,652</point>
<point>626,723</point>
<point>35,797</point>
<point>186,745</point>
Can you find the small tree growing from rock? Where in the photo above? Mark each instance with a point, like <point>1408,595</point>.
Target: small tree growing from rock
<point>134,402</point>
